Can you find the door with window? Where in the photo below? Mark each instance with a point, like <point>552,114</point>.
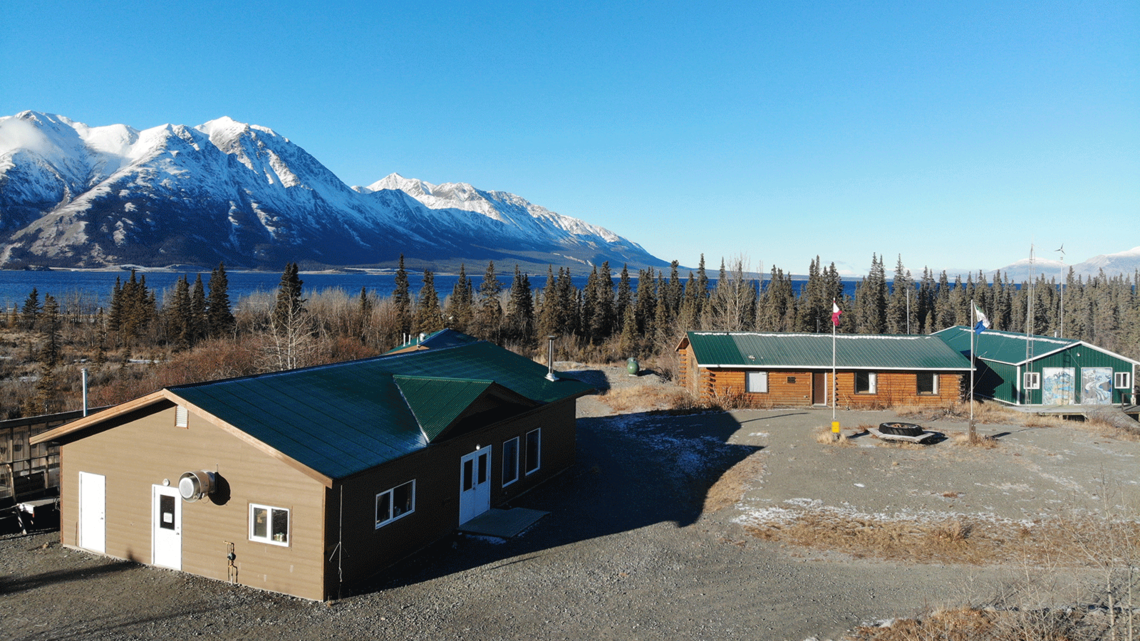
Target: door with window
<point>474,484</point>
<point>93,512</point>
<point>166,527</point>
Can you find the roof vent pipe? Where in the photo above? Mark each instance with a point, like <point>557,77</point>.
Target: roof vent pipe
<point>84,370</point>
<point>550,358</point>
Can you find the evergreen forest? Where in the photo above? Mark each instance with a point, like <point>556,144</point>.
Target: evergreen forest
<point>194,332</point>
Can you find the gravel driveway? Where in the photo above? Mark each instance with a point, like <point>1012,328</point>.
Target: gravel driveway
<point>628,551</point>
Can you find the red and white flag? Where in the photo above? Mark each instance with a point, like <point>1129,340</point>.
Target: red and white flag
<point>835,312</point>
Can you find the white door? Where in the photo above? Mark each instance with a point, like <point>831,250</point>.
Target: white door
<point>166,528</point>
<point>93,512</point>
<point>474,484</point>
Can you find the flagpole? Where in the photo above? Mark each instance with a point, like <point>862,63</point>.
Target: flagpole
<point>835,312</point>
<point>970,396</point>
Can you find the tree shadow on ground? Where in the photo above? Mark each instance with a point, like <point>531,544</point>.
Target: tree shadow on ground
<point>631,471</point>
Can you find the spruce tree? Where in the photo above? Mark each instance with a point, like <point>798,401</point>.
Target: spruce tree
<point>602,320</point>
<point>428,318</point>
<point>489,318</point>
<point>548,324</point>
<point>31,310</point>
<point>199,327</point>
<point>520,310</point>
<point>178,315</point>
<point>900,301</point>
<point>49,327</point>
<point>402,299</point>
<point>645,307</point>
<point>364,314</point>
<point>219,317</point>
<point>625,294</point>
<point>460,305</point>
<point>289,302</point>
<point>116,314</point>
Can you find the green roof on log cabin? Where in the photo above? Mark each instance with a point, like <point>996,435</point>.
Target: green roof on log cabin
<point>756,350</point>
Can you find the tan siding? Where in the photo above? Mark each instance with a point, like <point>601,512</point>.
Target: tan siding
<point>143,450</point>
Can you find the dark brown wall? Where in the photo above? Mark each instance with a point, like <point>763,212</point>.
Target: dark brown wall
<point>144,448</point>
<point>436,470</point>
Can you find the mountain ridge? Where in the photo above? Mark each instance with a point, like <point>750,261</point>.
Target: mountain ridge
<point>79,196</point>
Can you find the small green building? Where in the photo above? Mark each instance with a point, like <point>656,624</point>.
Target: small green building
<point>1023,369</point>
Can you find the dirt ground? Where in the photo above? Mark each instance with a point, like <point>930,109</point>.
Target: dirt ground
<point>635,546</point>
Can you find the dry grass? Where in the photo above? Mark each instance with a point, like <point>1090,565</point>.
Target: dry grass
<point>959,539</point>
<point>733,484</point>
<point>962,439</point>
<point>977,624</point>
<point>825,436</point>
<point>651,398</point>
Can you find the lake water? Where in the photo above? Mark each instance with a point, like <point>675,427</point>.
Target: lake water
<point>95,287</point>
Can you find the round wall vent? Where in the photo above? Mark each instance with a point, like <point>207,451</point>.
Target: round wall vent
<point>196,485</point>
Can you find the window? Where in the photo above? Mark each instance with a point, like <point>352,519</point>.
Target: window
<point>756,382</point>
<point>268,524</point>
<point>865,383</point>
<point>395,503</point>
<point>1122,380</point>
<point>927,383</point>
<point>533,453</point>
<point>510,461</point>
<point>180,416</point>
<point>1031,380</point>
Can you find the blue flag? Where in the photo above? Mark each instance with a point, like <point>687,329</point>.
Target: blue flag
<point>983,323</point>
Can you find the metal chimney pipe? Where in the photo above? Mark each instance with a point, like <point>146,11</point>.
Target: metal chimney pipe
<point>84,370</point>
<point>550,376</point>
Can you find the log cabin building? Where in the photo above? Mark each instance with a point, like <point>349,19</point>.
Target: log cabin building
<point>301,481</point>
<point>778,369</point>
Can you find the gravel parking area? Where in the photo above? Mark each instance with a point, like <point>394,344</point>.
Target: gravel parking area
<point>631,549</point>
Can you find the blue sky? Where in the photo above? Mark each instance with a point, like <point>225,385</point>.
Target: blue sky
<point>954,134</point>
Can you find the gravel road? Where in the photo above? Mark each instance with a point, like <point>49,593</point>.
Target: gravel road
<point>628,552</point>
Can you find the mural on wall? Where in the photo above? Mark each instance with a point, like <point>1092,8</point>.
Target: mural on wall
<point>1057,385</point>
<point>1096,385</point>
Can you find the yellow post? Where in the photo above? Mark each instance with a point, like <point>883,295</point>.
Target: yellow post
<point>835,427</point>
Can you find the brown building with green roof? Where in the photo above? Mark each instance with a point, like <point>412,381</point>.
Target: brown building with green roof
<point>301,481</point>
<point>777,369</point>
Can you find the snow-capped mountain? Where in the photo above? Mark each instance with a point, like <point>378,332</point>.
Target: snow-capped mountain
<point>73,195</point>
<point>1121,263</point>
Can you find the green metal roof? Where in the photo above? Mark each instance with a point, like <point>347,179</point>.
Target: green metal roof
<point>349,417</point>
<point>437,340</point>
<point>1003,347</point>
<point>852,351</point>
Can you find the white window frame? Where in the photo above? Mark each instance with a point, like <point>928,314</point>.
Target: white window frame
<point>508,463</point>
<point>934,392</point>
<point>872,383</point>
<point>181,416</point>
<point>391,497</point>
<point>1122,380</point>
<point>268,538</point>
<point>1031,380</point>
<point>537,452</point>
<point>756,382</point>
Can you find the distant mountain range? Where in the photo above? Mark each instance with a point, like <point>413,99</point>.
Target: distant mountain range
<point>1125,262</point>
<point>79,196</point>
